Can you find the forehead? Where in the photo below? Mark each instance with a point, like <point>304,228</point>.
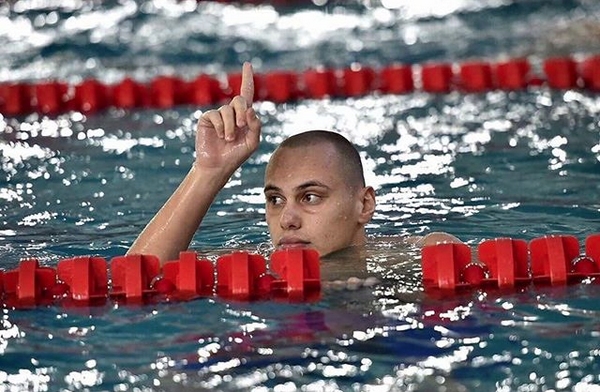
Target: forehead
<point>297,165</point>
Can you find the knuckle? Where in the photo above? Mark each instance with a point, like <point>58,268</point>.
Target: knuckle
<point>238,101</point>
<point>208,113</point>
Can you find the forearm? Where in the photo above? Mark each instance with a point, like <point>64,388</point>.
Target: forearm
<point>173,227</point>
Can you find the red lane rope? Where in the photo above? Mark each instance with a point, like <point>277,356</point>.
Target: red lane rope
<point>294,276</point>
<point>55,97</point>
<point>507,263</point>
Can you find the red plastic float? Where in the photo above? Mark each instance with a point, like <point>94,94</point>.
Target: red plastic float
<point>551,256</point>
<point>189,276</point>
<point>29,284</point>
<point>51,97</point>
<point>505,260</point>
<point>320,83</point>
<point>590,73</point>
<point>592,247</point>
<point>299,274</point>
<point>397,79</point>
<point>436,78</point>
<point>443,265</point>
<point>476,76</point>
<point>16,99</point>
<point>561,72</point>
<point>128,94</point>
<point>205,91</point>
<point>168,91</point>
<point>238,275</point>
<point>132,276</point>
<point>512,74</point>
<point>508,263</point>
<point>357,81</point>
<point>281,86</point>
<point>85,279</point>
<point>91,96</point>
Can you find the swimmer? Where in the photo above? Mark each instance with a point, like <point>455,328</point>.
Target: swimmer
<point>315,190</point>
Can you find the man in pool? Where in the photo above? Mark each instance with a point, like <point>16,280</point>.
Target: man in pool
<point>314,186</point>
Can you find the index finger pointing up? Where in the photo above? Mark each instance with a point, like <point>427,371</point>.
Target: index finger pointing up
<point>247,87</point>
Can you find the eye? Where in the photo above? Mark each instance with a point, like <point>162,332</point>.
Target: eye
<point>311,198</point>
<point>274,200</point>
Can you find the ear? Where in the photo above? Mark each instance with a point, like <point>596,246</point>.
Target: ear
<point>367,205</point>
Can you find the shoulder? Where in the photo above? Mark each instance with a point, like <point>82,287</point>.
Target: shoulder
<point>435,237</point>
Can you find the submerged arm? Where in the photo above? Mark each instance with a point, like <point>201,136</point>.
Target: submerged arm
<point>436,237</point>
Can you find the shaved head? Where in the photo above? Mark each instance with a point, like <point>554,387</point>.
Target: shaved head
<point>316,195</point>
<point>348,157</point>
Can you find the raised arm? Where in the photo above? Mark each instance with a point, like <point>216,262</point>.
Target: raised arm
<point>225,138</point>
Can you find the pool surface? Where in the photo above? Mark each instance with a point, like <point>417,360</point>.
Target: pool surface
<point>521,164</point>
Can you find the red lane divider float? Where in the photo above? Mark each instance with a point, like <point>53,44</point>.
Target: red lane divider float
<point>53,97</point>
<point>137,279</point>
<point>509,263</point>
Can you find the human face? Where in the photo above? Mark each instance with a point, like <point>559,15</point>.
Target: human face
<point>308,203</point>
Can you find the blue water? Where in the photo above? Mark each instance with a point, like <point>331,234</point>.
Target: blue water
<point>479,166</point>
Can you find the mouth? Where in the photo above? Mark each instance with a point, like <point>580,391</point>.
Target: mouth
<point>291,243</point>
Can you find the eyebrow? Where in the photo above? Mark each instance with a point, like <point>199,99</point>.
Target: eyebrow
<point>304,185</point>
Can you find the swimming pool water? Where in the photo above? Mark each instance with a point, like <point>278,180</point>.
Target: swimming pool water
<point>480,166</point>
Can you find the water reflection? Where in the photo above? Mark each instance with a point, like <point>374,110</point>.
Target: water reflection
<point>477,165</point>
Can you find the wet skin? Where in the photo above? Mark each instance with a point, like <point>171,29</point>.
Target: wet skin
<point>309,204</point>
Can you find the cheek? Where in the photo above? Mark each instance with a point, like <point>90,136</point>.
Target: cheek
<point>270,219</point>
<point>319,225</point>
<point>331,225</point>
<point>343,213</point>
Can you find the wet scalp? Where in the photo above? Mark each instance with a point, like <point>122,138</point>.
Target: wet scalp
<point>348,156</point>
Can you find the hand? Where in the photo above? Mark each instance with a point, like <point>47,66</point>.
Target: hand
<point>226,137</point>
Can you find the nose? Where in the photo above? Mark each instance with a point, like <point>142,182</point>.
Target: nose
<point>290,217</point>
